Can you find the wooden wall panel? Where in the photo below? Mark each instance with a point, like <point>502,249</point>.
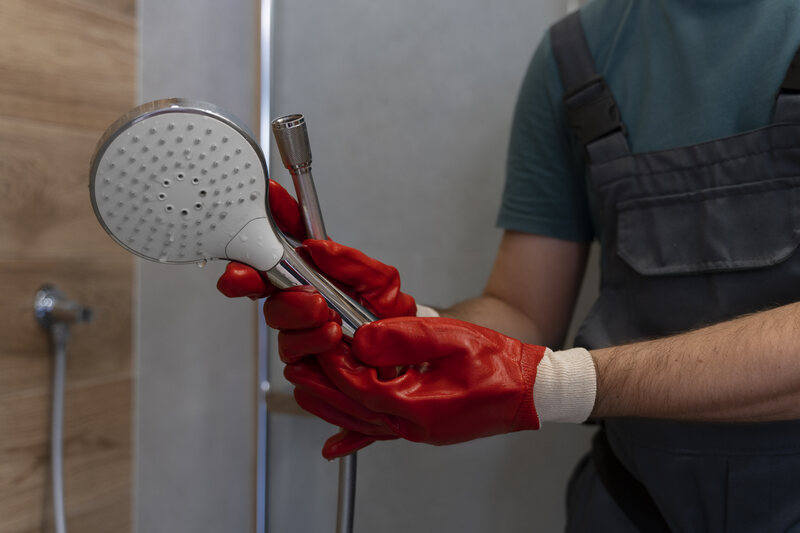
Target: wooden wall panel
<point>67,70</point>
<point>65,62</point>
<point>122,8</point>
<point>44,178</point>
<point>97,452</point>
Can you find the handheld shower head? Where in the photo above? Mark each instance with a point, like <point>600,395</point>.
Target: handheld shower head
<point>177,182</point>
<point>181,181</point>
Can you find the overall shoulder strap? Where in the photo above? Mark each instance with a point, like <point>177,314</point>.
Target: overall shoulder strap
<point>787,101</point>
<point>592,112</point>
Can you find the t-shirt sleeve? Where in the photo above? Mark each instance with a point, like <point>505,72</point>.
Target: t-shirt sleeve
<point>545,190</point>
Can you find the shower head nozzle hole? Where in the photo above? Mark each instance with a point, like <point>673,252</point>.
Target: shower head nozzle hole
<point>202,193</point>
<point>169,208</point>
<point>195,180</point>
<point>198,206</point>
<point>184,212</point>
<point>166,182</point>
<point>180,175</point>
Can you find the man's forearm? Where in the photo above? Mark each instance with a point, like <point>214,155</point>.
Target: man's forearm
<point>746,369</point>
<point>494,313</point>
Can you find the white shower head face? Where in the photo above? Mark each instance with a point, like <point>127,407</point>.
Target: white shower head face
<point>177,181</point>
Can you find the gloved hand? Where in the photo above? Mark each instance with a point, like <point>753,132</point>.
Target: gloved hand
<point>461,382</point>
<point>374,284</point>
<point>306,326</point>
<point>305,323</point>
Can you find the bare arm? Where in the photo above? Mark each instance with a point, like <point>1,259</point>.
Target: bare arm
<point>531,291</point>
<point>747,369</point>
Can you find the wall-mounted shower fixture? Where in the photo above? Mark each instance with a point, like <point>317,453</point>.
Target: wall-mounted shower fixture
<point>56,313</point>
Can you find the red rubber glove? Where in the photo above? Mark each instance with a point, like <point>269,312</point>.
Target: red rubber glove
<point>462,382</point>
<point>305,323</point>
<point>307,326</point>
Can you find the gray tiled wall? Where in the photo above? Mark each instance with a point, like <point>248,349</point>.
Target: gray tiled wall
<point>195,450</point>
<point>409,105</point>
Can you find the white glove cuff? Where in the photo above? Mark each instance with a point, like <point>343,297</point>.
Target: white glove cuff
<point>425,311</point>
<point>565,387</point>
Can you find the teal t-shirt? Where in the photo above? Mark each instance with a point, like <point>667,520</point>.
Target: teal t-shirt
<point>681,71</point>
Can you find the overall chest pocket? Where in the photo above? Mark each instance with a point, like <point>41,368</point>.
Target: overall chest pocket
<point>728,228</point>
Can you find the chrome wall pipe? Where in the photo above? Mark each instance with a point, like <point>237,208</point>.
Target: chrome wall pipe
<point>56,314</point>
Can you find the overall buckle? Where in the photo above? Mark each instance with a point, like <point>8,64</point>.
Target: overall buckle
<point>592,111</point>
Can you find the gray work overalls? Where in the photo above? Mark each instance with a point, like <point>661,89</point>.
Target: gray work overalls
<point>690,236</point>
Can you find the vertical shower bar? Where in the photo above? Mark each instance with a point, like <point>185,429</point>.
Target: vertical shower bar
<point>265,111</point>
